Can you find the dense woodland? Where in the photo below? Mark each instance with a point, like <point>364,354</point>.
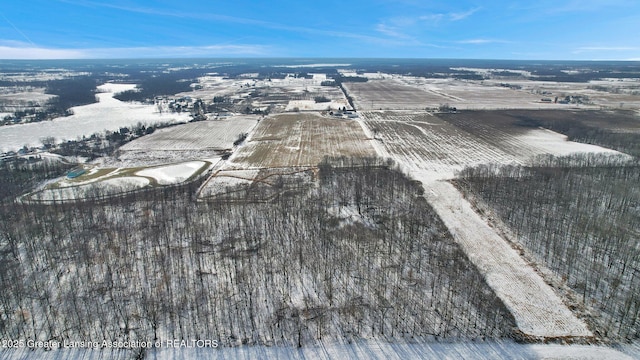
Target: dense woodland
<point>354,253</point>
<point>581,218</point>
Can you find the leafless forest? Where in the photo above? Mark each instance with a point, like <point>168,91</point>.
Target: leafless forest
<point>579,216</point>
<point>354,253</point>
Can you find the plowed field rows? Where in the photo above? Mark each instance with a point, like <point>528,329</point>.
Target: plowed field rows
<point>301,139</point>
<point>391,94</point>
<point>434,146</point>
<point>213,134</point>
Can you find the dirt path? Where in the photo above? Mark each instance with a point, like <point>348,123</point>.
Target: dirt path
<point>538,311</point>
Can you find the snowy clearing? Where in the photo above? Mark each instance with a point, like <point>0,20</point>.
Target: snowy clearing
<point>537,309</point>
<point>110,186</point>
<point>107,114</point>
<point>172,174</point>
<point>551,142</point>
<point>311,105</point>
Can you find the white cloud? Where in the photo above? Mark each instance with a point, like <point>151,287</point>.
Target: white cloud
<point>16,50</point>
<point>483,41</point>
<point>452,16</point>
<point>391,31</point>
<point>31,53</point>
<point>462,15</point>
<point>607,48</point>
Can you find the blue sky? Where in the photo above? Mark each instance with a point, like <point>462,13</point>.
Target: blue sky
<point>542,29</point>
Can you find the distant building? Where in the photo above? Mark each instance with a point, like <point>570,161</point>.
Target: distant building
<point>74,173</point>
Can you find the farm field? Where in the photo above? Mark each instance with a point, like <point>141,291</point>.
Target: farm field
<point>514,130</point>
<point>408,93</point>
<point>390,94</point>
<point>304,139</point>
<point>200,140</point>
<point>445,143</point>
<point>214,135</point>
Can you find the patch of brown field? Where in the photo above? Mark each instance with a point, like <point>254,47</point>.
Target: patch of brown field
<point>302,139</point>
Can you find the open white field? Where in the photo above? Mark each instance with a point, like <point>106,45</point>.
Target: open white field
<point>107,114</point>
<point>301,139</point>
<point>312,105</point>
<point>201,135</point>
<point>106,187</point>
<point>172,174</point>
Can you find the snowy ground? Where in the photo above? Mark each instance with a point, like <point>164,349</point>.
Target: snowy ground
<point>107,114</point>
<point>370,349</point>
<point>172,174</point>
<point>311,105</point>
<point>537,309</point>
<point>112,186</point>
<point>108,182</point>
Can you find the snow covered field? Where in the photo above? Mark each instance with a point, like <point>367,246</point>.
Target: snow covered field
<point>311,105</point>
<point>108,114</point>
<point>201,135</point>
<point>422,142</point>
<point>112,186</point>
<point>172,174</point>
